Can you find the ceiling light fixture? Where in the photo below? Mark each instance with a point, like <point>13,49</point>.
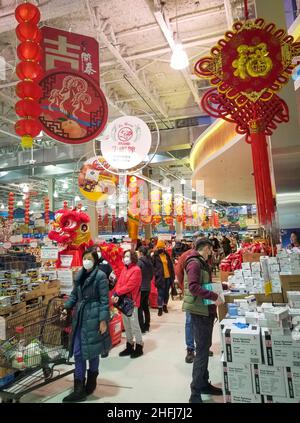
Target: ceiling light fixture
<point>182,181</point>
<point>20,203</point>
<point>179,59</point>
<point>25,188</point>
<point>77,198</point>
<point>214,201</point>
<point>2,207</point>
<point>65,185</point>
<point>55,195</point>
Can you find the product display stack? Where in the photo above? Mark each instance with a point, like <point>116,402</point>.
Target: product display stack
<point>261,353</point>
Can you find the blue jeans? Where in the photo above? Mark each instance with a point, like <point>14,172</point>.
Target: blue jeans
<point>80,364</point>
<point>189,333</point>
<point>164,293</point>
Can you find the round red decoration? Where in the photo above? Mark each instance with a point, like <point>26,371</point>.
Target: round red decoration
<point>28,108</point>
<point>27,31</point>
<point>74,107</point>
<point>28,89</point>
<point>29,70</point>
<point>27,12</point>
<point>29,50</point>
<point>28,127</point>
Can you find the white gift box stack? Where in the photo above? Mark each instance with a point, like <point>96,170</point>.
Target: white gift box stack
<point>251,278</point>
<point>261,355</point>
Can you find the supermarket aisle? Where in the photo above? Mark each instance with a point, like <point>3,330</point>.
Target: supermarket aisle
<point>161,375</point>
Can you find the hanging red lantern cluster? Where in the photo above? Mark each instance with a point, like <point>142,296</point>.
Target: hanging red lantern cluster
<point>47,208</point>
<point>28,70</point>
<point>27,209</point>
<point>11,202</point>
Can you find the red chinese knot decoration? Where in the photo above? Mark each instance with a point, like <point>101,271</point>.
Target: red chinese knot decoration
<point>247,68</point>
<point>28,71</point>
<point>27,209</point>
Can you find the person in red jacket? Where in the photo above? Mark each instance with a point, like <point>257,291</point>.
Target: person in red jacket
<point>129,284</point>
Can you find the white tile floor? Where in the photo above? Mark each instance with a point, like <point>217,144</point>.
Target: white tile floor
<point>161,375</point>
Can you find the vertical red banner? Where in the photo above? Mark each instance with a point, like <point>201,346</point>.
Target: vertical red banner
<point>74,108</point>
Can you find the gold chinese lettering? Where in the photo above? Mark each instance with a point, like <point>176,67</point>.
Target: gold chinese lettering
<point>253,61</point>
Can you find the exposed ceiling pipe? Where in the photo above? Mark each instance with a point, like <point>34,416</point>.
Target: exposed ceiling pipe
<point>228,11</point>
<point>101,36</point>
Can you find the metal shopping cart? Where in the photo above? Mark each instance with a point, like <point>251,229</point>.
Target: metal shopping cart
<point>36,345</point>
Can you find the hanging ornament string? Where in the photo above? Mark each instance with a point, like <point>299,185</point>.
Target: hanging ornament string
<point>246,10</point>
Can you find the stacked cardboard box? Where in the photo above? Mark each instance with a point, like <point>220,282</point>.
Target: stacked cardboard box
<point>261,361</point>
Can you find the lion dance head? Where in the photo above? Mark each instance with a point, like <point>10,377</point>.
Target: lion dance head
<point>71,228</point>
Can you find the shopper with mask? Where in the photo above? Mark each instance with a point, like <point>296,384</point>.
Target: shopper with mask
<point>129,284</point>
<point>164,276</point>
<point>103,264</point>
<point>145,263</point>
<point>203,316</point>
<point>90,302</point>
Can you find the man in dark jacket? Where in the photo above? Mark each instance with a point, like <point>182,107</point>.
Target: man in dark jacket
<point>145,263</point>
<point>164,276</point>
<point>203,316</point>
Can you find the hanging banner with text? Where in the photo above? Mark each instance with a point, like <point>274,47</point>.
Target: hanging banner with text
<point>74,108</point>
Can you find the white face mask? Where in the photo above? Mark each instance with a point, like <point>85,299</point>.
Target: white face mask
<point>127,261</point>
<point>99,254</point>
<point>88,264</point>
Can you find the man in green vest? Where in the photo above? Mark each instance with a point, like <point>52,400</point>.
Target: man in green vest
<point>203,316</point>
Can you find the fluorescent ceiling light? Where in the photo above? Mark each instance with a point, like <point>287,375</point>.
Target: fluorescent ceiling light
<point>179,59</point>
<point>214,201</point>
<point>3,174</point>
<point>77,198</point>
<point>182,181</point>
<point>20,203</point>
<point>55,195</point>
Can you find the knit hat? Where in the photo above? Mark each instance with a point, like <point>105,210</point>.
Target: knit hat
<point>160,244</point>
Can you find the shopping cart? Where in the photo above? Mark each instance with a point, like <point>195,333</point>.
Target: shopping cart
<point>36,344</point>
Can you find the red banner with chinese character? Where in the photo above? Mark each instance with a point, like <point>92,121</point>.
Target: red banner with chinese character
<point>74,109</point>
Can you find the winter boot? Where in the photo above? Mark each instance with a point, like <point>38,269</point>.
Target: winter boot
<point>165,309</point>
<point>91,383</point>
<point>78,395</point>
<point>160,311</point>
<point>137,352</point>
<point>190,356</point>
<point>128,350</point>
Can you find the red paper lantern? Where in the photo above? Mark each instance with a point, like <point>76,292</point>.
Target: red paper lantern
<point>27,12</point>
<point>28,108</point>
<point>27,31</point>
<point>28,89</point>
<point>29,70</point>
<point>29,50</point>
<point>30,127</point>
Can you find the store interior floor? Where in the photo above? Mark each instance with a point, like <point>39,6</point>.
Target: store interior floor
<point>161,375</point>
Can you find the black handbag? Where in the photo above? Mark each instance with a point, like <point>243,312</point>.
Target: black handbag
<point>125,305</point>
<point>174,292</point>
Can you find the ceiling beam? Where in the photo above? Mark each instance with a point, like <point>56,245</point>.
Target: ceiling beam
<point>97,24</point>
<point>206,41</point>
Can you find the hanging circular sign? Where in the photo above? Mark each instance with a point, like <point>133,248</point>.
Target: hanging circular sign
<point>94,182</point>
<point>74,108</point>
<point>126,142</point>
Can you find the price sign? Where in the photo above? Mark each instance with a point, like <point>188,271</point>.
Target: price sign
<point>49,253</point>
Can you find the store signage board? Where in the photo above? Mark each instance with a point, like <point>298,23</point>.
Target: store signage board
<point>126,142</point>
<point>95,183</point>
<point>49,253</point>
<point>74,108</point>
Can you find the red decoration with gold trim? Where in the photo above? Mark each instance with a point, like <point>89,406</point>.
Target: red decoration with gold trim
<point>248,67</point>
<point>11,203</point>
